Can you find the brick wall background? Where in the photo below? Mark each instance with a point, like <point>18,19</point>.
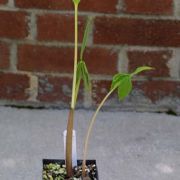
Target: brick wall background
<point>36,52</point>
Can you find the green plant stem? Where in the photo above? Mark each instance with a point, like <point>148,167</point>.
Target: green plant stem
<point>90,129</point>
<point>77,90</point>
<point>73,100</point>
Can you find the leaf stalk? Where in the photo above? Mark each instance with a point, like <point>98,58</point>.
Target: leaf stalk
<point>90,129</point>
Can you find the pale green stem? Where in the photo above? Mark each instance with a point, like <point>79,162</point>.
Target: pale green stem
<point>77,90</point>
<point>73,101</point>
<point>90,129</point>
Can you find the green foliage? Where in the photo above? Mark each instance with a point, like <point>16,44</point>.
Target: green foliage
<point>82,71</point>
<point>140,69</point>
<point>82,74</point>
<point>125,87</point>
<point>123,82</point>
<point>117,80</point>
<point>76,2</point>
<point>85,37</point>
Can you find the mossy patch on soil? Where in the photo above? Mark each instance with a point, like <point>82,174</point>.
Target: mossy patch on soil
<point>55,171</point>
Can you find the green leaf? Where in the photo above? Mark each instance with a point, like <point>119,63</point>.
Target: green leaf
<point>85,37</point>
<point>140,69</point>
<point>122,82</point>
<point>76,2</point>
<point>79,73</point>
<point>82,74</point>
<point>117,80</point>
<point>125,87</point>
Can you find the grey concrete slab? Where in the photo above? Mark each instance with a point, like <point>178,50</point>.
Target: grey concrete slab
<point>127,146</point>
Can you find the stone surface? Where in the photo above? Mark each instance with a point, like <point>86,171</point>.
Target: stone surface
<point>138,146</point>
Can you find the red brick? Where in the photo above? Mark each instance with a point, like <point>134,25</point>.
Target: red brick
<point>98,6</point>
<point>45,59</point>
<point>101,61</point>
<point>158,90</point>
<point>148,7</point>
<point>58,27</point>
<point>88,5</point>
<point>3,1</point>
<point>45,4</point>
<point>13,86</point>
<point>156,59</point>
<point>109,30</point>
<point>53,59</point>
<point>56,89</point>
<point>13,24</point>
<point>4,56</point>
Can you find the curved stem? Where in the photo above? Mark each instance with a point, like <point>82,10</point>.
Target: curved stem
<point>90,129</point>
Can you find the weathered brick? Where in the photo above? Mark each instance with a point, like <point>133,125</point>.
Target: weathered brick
<point>13,24</point>
<point>154,90</point>
<point>158,90</point>
<point>4,55</point>
<point>58,27</point>
<point>3,1</point>
<point>13,86</point>
<point>54,89</point>
<point>53,59</point>
<point>157,59</point>
<point>164,7</point>
<point>100,88</point>
<point>113,30</point>
<point>88,5</point>
<point>57,90</point>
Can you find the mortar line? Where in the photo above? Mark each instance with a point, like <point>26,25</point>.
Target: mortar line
<point>69,44</point>
<point>13,57</point>
<point>33,89</point>
<point>123,60</point>
<point>85,13</point>
<point>120,6</point>
<point>11,4</point>
<point>176,6</point>
<point>32,27</point>
<point>93,76</point>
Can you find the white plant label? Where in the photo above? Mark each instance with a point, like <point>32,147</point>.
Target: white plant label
<point>74,150</point>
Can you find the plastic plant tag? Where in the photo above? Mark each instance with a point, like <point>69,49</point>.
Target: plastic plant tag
<point>74,149</point>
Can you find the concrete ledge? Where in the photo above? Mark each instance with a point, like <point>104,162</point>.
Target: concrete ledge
<point>127,146</point>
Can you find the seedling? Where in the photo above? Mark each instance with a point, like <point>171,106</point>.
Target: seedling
<point>121,82</point>
<point>80,73</point>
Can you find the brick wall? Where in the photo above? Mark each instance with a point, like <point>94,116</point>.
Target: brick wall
<point>36,52</point>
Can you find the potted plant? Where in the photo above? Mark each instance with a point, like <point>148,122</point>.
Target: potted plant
<point>84,169</point>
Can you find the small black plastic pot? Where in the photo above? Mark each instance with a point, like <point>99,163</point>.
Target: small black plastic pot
<point>79,162</point>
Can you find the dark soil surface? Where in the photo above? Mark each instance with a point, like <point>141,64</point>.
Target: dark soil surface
<point>55,171</point>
